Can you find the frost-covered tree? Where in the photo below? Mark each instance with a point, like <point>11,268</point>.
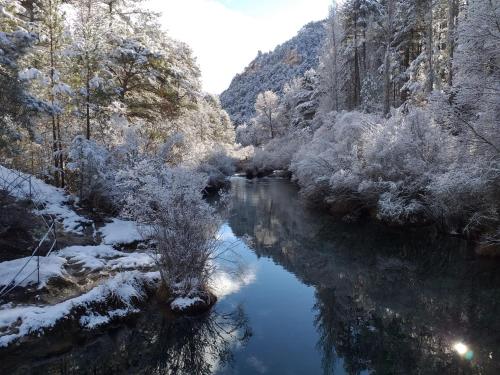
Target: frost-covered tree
<point>332,79</point>
<point>476,107</point>
<point>300,102</point>
<point>16,104</point>
<point>88,50</point>
<point>45,71</point>
<point>266,107</point>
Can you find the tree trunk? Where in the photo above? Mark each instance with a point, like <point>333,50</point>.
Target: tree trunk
<point>87,99</point>
<point>88,70</point>
<point>387,59</point>
<point>430,54</point>
<point>387,81</point>
<point>452,14</point>
<point>334,62</point>
<point>271,125</point>
<point>55,145</point>
<point>357,78</point>
<point>60,152</point>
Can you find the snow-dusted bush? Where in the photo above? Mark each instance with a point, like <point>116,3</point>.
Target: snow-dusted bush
<point>407,169</point>
<point>330,163</point>
<point>218,166</point>
<point>396,207</point>
<point>184,227</point>
<point>466,197</point>
<point>278,153</point>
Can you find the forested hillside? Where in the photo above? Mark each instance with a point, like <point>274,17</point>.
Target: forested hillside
<point>272,70</point>
<point>400,120</point>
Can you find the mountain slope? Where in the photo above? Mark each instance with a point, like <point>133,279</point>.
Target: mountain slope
<point>270,71</point>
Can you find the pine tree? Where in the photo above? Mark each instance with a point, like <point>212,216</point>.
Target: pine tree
<point>17,105</point>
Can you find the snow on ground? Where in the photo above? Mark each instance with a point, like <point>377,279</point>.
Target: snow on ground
<point>120,232</point>
<point>94,320</point>
<point>124,288</point>
<point>90,258</point>
<point>96,258</point>
<point>54,200</point>
<point>50,267</point>
<point>132,261</point>
<point>129,284</point>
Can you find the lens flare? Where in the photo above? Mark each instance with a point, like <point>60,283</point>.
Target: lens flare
<point>461,348</point>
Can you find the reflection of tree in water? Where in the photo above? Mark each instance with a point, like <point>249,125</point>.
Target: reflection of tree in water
<point>201,345</point>
<point>360,338</point>
<point>386,342</point>
<point>387,301</point>
<point>155,345</point>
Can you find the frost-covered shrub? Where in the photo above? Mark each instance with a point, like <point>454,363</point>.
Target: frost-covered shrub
<point>466,197</point>
<point>252,134</point>
<point>278,153</point>
<point>406,146</point>
<point>395,207</point>
<point>218,166</point>
<point>330,163</point>
<point>357,161</point>
<point>169,202</point>
<point>408,169</point>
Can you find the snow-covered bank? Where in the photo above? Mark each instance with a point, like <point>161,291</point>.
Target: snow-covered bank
<point>120,286</point>
<point>50,268</point>
<point>97,258</point>
<point>122,291</point>
<point>100,283</point>
<point>89,286</point>
<point>52,201</point>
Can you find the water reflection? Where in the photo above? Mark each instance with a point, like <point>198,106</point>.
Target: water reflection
<point>155,344</point>
<point>321,296</point>
<point>201,345</point>
<point>386,302</point>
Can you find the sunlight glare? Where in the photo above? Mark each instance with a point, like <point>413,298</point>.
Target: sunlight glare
<point>461,348</point>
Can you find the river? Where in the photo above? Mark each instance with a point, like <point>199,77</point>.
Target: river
<point>314,296</point>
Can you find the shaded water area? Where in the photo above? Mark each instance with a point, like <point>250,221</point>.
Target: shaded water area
<point>319,296</point>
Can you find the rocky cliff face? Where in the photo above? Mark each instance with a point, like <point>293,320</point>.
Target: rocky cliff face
<point>271,71</point>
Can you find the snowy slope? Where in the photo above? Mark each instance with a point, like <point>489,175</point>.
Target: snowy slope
<point>53,201</point>
<point>271,71</point>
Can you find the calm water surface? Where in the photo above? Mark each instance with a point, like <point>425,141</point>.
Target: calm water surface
<point>316,296</point>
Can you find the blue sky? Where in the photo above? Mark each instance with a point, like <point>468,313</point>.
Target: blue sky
<point>226,35</point>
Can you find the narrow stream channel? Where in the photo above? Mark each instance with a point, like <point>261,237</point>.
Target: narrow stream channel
<point>316,296</point>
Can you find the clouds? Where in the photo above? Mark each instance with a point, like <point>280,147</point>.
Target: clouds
<point>225,38</point>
